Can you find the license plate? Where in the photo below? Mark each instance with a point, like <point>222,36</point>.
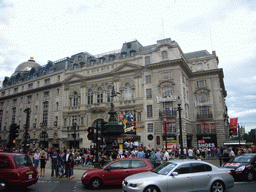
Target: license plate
<point>30,176</point>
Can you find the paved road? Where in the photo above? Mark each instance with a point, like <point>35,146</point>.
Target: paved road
<point>77,186</point>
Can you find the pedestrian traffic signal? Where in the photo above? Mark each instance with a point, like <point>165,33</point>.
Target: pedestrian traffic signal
<point>90,135</point>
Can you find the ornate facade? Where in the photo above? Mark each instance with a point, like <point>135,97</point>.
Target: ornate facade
<point>76,91</point>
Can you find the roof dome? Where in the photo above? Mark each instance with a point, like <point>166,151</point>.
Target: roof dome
<point>27,66</point>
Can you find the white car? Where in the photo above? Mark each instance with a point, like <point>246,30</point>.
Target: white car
<point>181,175</point>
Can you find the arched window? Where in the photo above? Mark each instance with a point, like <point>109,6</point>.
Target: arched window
<point>164,55</point>
<point>100,95</point>
<point>75,99</point>
<point>166,91</point>
<point>127,91</point>
<point>90,97</point>
<point>109,98</point>
<point>203,97</point>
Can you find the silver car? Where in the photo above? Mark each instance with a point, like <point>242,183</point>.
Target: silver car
<point>181,175</point>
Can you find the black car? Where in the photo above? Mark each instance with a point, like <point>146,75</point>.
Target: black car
<point>243,167</point>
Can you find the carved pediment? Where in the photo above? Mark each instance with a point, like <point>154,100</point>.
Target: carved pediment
<point>73,78</point>
<point>126,67</point>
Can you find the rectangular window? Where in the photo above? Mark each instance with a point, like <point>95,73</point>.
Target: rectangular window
<point>149,111</point>
<point>201,83</point>
<point>30,85</point>
<point>14,101</point>
<point>150,127</point>
<point>147,60</point>
<point>45,112</point>
<point>199,66</point>
<point>58,77</point>
<point>29,97</point>
<point>164,55</point>
<point>57,105</point>
<point>22,88</point>
<point>46,93</point>
<point>213,127</point>
<point>3,93</point>
<point>16,90</point>
<point>166,75</point>
<point>13,114</point>
<point>149,93</point>
<point>58,91</point>
<point>1,119</point>
<point>47,81</point>
<point>198,128</point>
<point>148,78</point>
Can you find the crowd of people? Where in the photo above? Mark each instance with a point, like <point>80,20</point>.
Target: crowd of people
<point>63,160</point>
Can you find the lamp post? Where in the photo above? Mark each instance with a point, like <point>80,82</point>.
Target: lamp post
<point>74,126</point>
<point>27,110</point>
<point>181,140</point>
<point>239,138</point>
<point>165,131</point>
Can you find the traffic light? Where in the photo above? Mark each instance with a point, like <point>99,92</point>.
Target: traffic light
<point>16,131</point>
<point>90,135</point>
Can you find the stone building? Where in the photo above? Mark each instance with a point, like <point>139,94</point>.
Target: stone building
<point>75,92</point>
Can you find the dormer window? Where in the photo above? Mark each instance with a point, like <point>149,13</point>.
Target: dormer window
<point>102,60</point>
<point>132,53</point>
<point>75,66</point>
<point>111,57</point>
<point>123,55</point>
<point>92,62</point>
<point>129,45</point>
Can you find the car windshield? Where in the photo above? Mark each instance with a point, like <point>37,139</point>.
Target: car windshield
<point>241,159</point>
<point>165,168</point>
<point>22,160</point>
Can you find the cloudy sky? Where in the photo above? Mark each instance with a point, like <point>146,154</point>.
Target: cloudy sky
<point>51,30</point>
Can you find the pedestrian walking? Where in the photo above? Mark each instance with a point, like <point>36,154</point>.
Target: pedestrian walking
<point>166,155</point>
<point>72,162</point>
<point>158,157</point>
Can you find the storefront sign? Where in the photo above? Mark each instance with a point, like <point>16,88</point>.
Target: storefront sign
<point>206,141</point>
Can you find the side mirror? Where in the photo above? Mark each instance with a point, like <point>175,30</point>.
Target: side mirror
<point>174,174</point>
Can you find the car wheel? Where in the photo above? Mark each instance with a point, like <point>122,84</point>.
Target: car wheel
<point>250,176</point>
<point>151,189</point>
<point>217,186</point>
<point>96,183</point>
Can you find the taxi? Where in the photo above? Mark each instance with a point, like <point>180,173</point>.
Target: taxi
<point>16,170</point>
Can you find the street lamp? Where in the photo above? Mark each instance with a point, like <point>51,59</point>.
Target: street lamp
<point>165,131</point>
<point>74,126</point>
<point>27,110</point>
<point>181,140</point>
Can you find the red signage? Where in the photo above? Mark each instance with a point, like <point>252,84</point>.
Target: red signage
<point>121,116</point>
<point>233,125</point>
<point>200,141</point>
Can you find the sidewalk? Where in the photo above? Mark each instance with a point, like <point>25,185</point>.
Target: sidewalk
<point>79,170</point>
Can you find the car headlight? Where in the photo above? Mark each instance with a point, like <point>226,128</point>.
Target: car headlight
<point>240,168</point>
<point>135,184</point>
<point>84,175</point>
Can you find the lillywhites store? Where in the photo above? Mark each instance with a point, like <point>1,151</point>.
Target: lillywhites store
<point>206,141</point>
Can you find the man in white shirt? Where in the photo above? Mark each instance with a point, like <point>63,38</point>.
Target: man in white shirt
<point>190,154</point>
<point>166,155</point>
